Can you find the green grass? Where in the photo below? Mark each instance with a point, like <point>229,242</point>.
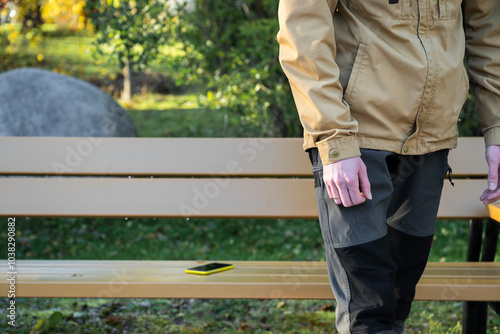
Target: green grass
<point>157,115</point>
<point>169,239</point>
<point>64,53</point>
<point>212,316</point>
<point>181,239</point>
<point>69,53</point>
<point>56,52</point>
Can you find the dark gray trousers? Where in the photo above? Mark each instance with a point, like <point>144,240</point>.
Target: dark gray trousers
<point>376,251</point>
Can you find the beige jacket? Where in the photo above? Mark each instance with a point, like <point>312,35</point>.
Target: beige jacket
<point>389,74</point>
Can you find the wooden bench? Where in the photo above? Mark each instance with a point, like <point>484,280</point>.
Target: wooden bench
<point>203,177</point>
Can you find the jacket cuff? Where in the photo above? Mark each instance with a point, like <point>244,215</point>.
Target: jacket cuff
<point>338,149</point>
<point>492,136</point>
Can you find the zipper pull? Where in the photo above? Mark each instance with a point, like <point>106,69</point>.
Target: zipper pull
<point>449,176</point>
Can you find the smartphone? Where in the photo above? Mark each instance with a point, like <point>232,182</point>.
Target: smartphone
<point>209,268</point>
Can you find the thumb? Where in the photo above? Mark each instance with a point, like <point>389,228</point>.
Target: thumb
<point>493,174</point>
<point>492,180</point>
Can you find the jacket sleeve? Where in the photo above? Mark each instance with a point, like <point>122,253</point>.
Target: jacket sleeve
<point>482,31</point>
<point>307,56</point>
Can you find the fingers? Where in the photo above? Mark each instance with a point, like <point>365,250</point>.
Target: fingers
<point>484,195</point>
<point>365,183</point>
<point>336,196</point>
<point>347,182</point>
<point>490,196</point>
<point>333,192</point>
<point>349,191</point>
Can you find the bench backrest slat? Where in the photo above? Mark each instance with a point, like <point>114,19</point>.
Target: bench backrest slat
<point>209,197</point>
<point>183,156</point>
<point>153,156</point>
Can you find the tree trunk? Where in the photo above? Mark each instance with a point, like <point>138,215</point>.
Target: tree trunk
<point>259,9</point>
<point>128,73</point>
<point>32,18</point>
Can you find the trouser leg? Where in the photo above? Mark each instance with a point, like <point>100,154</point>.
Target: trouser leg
<point>362,278</point>
<point>373,288</point>
<point>417,184</point>
<point>358,254</point>
<point>409,254</point>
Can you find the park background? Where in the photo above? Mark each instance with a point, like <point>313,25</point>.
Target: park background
<point>204,68</point>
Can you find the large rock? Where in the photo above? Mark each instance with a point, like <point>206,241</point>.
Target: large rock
<point>36,102</point>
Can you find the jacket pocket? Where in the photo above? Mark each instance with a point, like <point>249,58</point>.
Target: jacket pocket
<point>406,9</point>
<point>386,9</point>
<point>448,9</point>
<point>357,69</point>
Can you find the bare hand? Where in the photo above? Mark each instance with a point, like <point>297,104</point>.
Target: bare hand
<point>492,194</point>
<point>347,181</point>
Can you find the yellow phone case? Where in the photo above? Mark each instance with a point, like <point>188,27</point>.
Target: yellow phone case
<point>208,272</point>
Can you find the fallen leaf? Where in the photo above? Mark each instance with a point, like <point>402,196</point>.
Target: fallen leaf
<point>280,304</point>
<point>113,320</point>
<point>243,327</point>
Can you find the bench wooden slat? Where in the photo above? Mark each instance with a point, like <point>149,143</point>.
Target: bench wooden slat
<point>183,156</point>
<point>278,268</point>
<point>270,279</point>
<point>31,268</point>
<point>145,197</point>
<point>468,158</point>
<point>461,201</point>
<point>122,197</point>
<point>153,156</point>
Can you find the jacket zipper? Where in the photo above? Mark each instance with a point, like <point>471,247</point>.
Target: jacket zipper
<point>416,127</point>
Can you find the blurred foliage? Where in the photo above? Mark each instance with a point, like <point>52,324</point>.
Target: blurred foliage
<point>231,49</point>
<point>129,32</point>
<point>29,12</point>
<point>67,15</point>
<point>15,46</point>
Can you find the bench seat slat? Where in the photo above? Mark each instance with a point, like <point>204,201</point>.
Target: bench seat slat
<point>166,279</point>
<point>183,156</point>
<point>145,197</point>
<point>297,268</point>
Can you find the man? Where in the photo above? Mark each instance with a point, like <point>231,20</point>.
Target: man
<point>379,85</point>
